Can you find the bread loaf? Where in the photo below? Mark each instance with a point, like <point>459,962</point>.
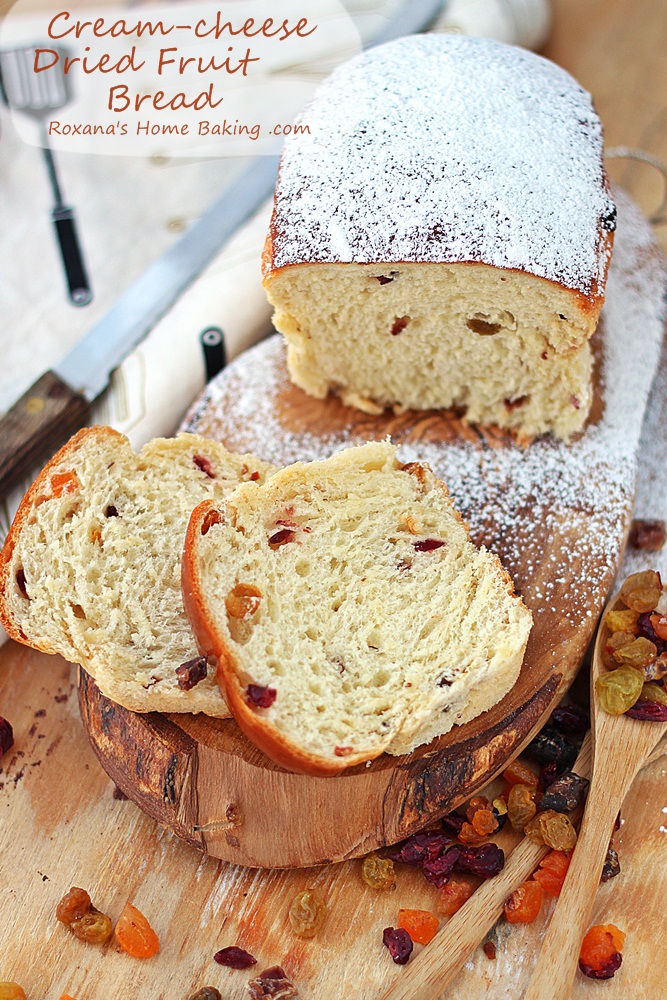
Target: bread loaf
<point>441,235</point>
<point>347,610</point>
<point>91,566</point>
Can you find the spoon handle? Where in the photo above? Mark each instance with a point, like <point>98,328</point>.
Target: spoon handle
<point>557,961</point>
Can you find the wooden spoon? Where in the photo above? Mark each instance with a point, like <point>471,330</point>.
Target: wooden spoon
<point>436,966</point>
<point>621,746</point>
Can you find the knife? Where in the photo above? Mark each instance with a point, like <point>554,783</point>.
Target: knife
<point>59,402</point>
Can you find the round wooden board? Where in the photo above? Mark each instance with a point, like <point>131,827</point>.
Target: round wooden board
<point>556,515</point>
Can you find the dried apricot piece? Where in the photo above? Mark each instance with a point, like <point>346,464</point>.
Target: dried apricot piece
<point>519,773</point>
<point>552,871</point>
<point>135,935</point>
<point>64,482</point>
<point>452,896</point>
<point>11,991</point>
<point>600,954</point>
<point>523,905</point>
<point>420,924</point>
<point>619,690</point>
<point>378,872</point>
<point>306,913</point>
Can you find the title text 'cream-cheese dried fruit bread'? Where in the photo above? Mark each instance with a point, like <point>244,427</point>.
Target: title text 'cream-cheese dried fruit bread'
<point>91,565</point>
<point>441,235</point>
<point>348,611</point>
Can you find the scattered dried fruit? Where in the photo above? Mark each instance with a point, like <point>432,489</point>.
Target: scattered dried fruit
<point>524,904</point>
<point>611,867</point>
<point>469,835</point>
<point>566,793</point>
<point>399,943</point>
<point>619,689</point>
<point>453,895</point>
<point>11,991</point>
<point>553,829</point>
<point>191,673</point>
<point>260,696</point>
<point>93,927</point>
<point>243,601</point>
<point>600,954</point>
<point>489,949</point>
<point>135,935</point>
<point>6,736</point>
<point>274,983</point>
<point>638,654</point>
<point>571,719</point>
<point>74,905</point>
<point>421,847</point>
<point>519,773</point>
<point>234,958</point>
<point>552,871</point>
<point>306,913</point>
<point>421,925</point>
<point>649,536</point>
<point>378,873</point>
<point>521,805</point>
<point>206,993</point>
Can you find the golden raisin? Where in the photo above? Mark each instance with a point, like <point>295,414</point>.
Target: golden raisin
<point>478,802</point>
<point>621,620</point>
<point>521,805</point>
<point>553,829</point>
<point>93,927</point>
<point>519,773</point>
<point>637,654</point>
<point>421,925</point>
<point>378,872</point>
<point>641,591</point>
<point>619,690</point>
<point>484,822</point>
<point>73,906</point>
<point>135,935</point>
<point>469,835</point>
<point>306,913</point>
<point>653,692</point>
<point>243,601</point>
<point>11,991</point>
<point>615,642</point>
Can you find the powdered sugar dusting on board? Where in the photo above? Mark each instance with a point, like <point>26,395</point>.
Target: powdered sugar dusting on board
<point>577,497</point>
<point>448,148</point>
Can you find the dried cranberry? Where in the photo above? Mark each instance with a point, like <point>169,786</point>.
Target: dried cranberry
<point>606,971</point>
<point>254,476</point>
<point>648,711</point>
<point>421,847</point>
<point>6,736</point>
<point>111,511</point>
<point>645,629</point>
<point>204,464</point>
<point>565,794</point>
<point>570,719</point>
<point>611,867</point>
<point>383,279</point>
<point>210,518</point>
<point>453,823</point>
<point>234,958</point>
<point>648,535</point>
<point>399,943</point>
<point>440,869</point>
<point>281,537</point>
<point>20,582</point>
<point>486,860</point>
<point>260,696</point>
<point>191,673</point>
<point>399,325</point>
<point>489,949</point>
<point>428,545</point>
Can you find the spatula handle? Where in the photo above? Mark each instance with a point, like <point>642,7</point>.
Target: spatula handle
<point>70,250</point>
<point>36,426</point>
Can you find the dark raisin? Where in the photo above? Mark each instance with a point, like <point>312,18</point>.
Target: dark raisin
<point>234,958</point>
<point>548,773</point>
<point>570,719</point>
<point>421,847</point>
<point>191,673</point>
<point>486,860</point>
<point>500,811</point>
<point>648,535</point>
<point>281,537</point>
<point>489,949</point>
<point>648,711</point>
<point>565,794</point>
<point>6,736</point>
<point>204,464</point>
<point>206,993</point>
<point>452,822</point>
<point>611,867</point>
<point>111,511</point>
<point>211,517</point>
<point>399,943</point>
<point>428,545</point>
<point>260,696</point>
<point>20,582</point>
<point>550,745</point>
<point>272,982</point>
<point>399,325</point>
<point>606,971</point>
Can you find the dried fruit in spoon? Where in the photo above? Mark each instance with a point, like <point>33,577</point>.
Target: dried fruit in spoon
<point>135,935</point>
<point>86,923</point>
<point>601,949</point>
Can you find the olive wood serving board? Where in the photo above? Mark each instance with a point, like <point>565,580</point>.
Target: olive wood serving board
<point>556,514</point>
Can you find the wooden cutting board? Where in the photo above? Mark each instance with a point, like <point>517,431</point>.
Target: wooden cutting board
<point>556,514</point>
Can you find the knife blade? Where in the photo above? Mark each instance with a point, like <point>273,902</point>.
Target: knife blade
<point>59,402</point>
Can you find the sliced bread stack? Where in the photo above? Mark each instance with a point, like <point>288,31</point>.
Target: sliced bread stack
<point>91,566</point>
<point>347,610</point>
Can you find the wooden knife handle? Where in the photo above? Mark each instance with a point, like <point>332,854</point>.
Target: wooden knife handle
<point>36,425</point>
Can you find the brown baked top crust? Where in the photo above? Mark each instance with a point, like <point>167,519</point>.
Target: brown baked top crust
<point>443,148</point>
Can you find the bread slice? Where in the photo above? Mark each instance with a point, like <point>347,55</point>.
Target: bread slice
<point>90,568</point>
<point>348,611</point>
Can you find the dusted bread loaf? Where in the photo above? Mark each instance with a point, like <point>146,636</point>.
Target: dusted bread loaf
<point>441,237</point>
<point>348,611</point>
<point>91,567</point>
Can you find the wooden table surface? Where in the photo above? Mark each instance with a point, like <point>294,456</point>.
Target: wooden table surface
<point>61,825</point>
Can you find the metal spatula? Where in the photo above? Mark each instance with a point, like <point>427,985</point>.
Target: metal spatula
<point>36,95</point>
